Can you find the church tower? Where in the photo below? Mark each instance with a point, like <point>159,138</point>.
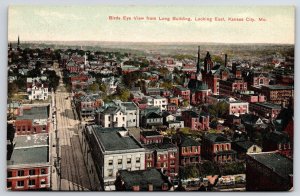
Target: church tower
<point>18,41</point>
<point>198,72</point>
<point>208,64</point>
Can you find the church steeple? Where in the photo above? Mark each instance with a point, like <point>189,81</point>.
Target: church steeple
<point>18,41</point>
<point>198,61</point>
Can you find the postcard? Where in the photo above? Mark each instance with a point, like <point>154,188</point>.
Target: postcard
<point>150,98</point>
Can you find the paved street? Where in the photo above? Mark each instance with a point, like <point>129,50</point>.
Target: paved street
<point>73,175</point>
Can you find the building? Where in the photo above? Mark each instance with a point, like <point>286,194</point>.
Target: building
<point>158,101</point>
<point>237,107</point>
<point>32,119</point>
<point>278,141</point>
<point>152,119</point>
<point>245,147</point>
<point>114,149</point>
<point>37,88</point>
<point>195,121</point>
<point>87,105</point>
<point>268,171</point>
<point>231,86</point>
<point>189,150</point>
<point>145,180</point>
<point>28,163</point>
<point>266,109</point>
<point>111,116</point>
<point>278,94</point>
<point>131,112</point>
<point>182,92</point>
<point>217,148</point>
<point>255,78</point>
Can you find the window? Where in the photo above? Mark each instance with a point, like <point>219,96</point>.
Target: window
<point>196,149</point>
<point>20,183</point>
<point>138,160</point>
<point>43,171</point>
<point>110,162</point>
<point>9,174</point>
<point>31,182</point>
<point>254,148</point>
<point>21,173</point>
<point>32,172</point>
<point>9,184</point>
<point>119,161</point>
<point>43,181</point>
<point>110,172</point>
<point>128,160</point>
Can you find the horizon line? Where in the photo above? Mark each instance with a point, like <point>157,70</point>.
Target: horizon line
<point>149,42</point>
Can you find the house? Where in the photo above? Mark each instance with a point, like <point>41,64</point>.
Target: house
<point>37,88</point>
<point>111,116</point>
<point>131,111</point>
<point>28,163</point>
<point>195,121</point>
<point>182,92</point>
<point>113,149</point>
<point>172,107</point>
<point>217,148</point>
<point>145,180</point>
<point>161,154</point>
<point>172,121</point>
<point>189,149</point>
<point>87,105</point>
<point>152,119</point>
<point>149,137</point>
<point>32,119</point>
<point>278,141</point>
<point>277,94</point>
<point>269,171</point>
<point>245,147</point>
<point>158,101</point>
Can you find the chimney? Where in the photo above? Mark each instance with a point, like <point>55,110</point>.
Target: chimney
<point>136,188</point>
<point>225,63</point>
<point>150,187</point>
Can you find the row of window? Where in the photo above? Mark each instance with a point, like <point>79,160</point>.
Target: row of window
<point>189,149</point>
<point>120,161</point>
<point>32,172</point>
<point>21,183</point>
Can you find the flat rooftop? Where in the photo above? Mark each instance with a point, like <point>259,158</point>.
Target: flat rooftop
<point>30,155</point>
<point>40,139</point>
<point>114,139</point>
<point>34,112</point>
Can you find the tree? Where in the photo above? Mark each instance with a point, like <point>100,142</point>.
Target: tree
<point>12,89</point>
<point>167,85</point>
<point>123,94</point>
<point>93,87</point>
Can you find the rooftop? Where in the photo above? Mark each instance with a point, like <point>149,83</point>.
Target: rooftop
<point>34,112</point>
<point>278,87</point>
<point>30,155</point>
<point>143,178</point>
<point>40,139</point>
<point>113,140</point>
<point>150,133</point>
<point>216,137</point>
<point>281,165</point>
<point>269,105</point>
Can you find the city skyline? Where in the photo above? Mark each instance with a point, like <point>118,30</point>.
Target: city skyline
<point>77,23</point>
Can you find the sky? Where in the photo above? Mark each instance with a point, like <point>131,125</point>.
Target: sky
<point>91,23</point>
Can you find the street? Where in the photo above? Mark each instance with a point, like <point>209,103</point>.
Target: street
<point>73,174</point>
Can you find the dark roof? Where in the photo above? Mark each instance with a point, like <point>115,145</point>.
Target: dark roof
<point>143,178</point>
<point>281,165</point>
<point>129,105</point>
<point>249,118</point>
<point>268,105</point>
<point>112,140</point>
<point>216,137</point>
<point>278,87</point>
<point>245,145</point>
<point>29,155</point>
<point>191,113</point>
<point>165,145</point>
<point>150,133</point>
<point>34,112</point>
<point>195,85</point>
<point>153,115</point>
<point>187,141</point>
<point>111,110</point>
<point>278,137</point>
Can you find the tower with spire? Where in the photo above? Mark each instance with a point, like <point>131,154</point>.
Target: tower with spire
<point>198,72</point>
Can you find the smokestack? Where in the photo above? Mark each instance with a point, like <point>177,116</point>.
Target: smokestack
<point>225,60</point>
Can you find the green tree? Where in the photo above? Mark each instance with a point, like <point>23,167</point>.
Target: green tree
<point>93,87</point>
<point>12,89</point>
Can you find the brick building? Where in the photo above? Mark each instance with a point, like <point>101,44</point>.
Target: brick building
<point>195,121</point>
<point>28,163</point>
<point>32,119</point>
<point>267,110</point>
<point>182,92</point>
<point>217,148</point>
<point>277,94</point>
<point>231,86</point>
